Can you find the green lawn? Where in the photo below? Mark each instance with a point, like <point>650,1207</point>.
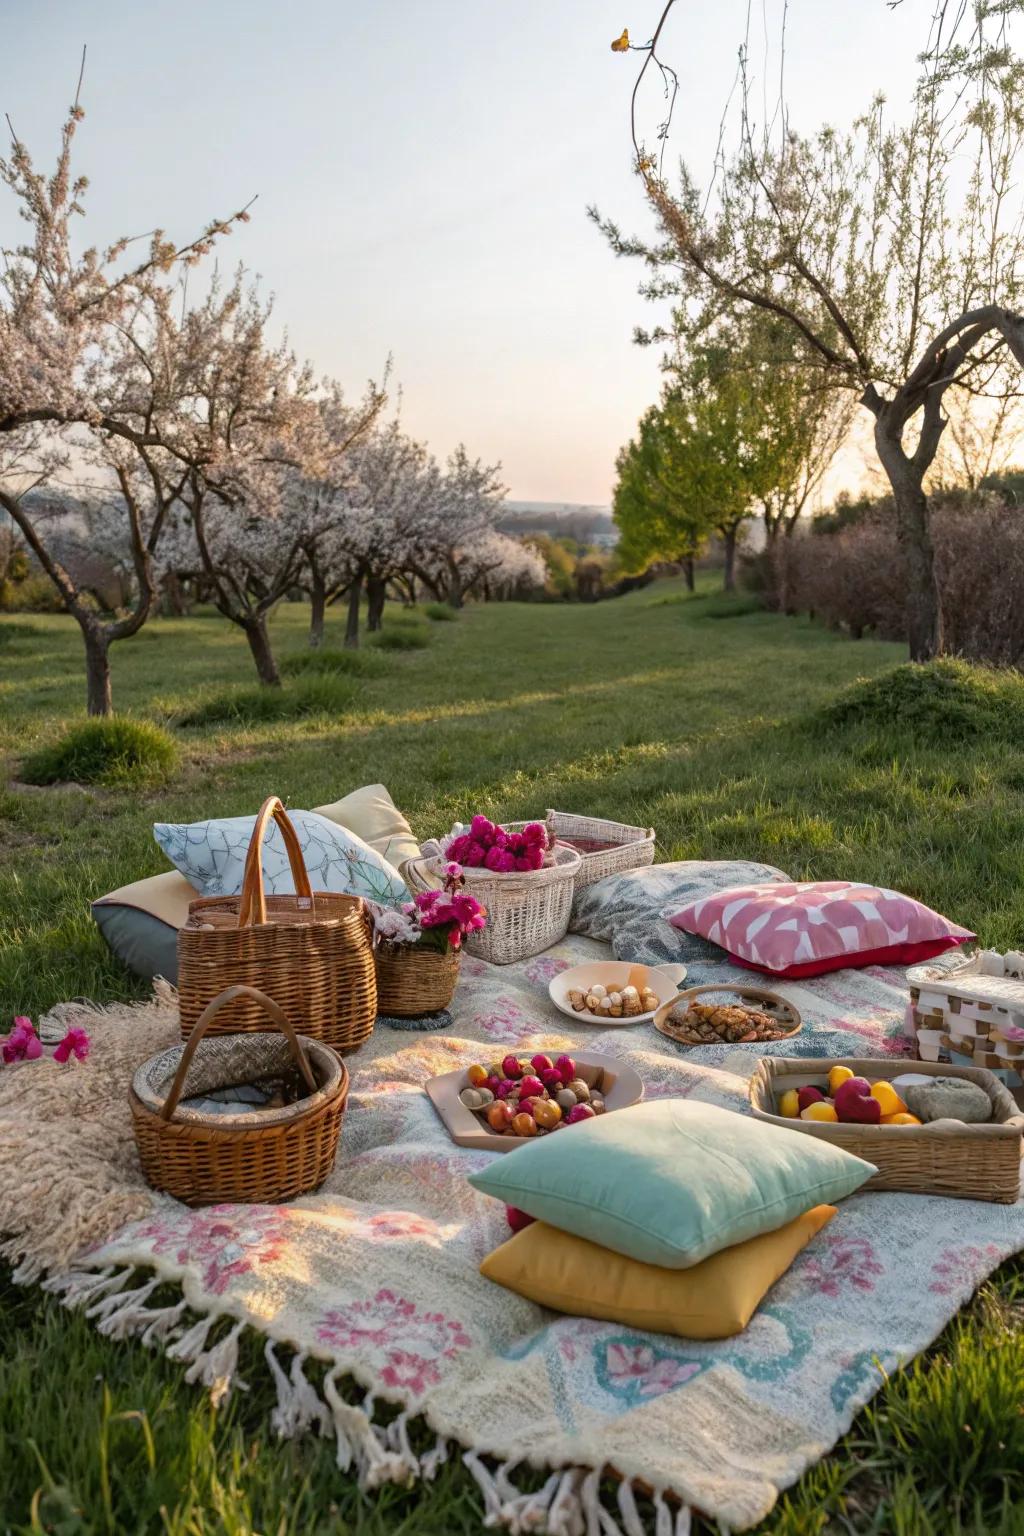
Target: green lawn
<point>713,723</point>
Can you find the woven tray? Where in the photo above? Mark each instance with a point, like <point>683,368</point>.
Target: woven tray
<point>971,1162</point>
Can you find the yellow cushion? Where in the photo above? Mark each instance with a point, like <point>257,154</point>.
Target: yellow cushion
<point>371,813</point>
<point>711,1300</point>
<point>165,897</point>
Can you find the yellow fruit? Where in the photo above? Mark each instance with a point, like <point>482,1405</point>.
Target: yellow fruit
<point>789,1104</point>
<point>820,1110</point>
<point>477,1075</point>
<point>888,1098</point>
<point>902,1117</point>
<point>838,1075</point>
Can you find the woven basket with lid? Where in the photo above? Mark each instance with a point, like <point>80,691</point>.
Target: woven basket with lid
<point>311,953</point>
<point>264,1156</point>
<point>604,847</point>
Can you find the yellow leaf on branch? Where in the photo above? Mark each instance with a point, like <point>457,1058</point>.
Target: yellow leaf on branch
<point>621,44</point>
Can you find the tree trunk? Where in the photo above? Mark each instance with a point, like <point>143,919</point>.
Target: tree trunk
<point>317,609</point>
<point>259,644</point>
<point>376,597</point>
<point>924,609</point>
<point>355,593</point>
<point>729,545</point>
<point>454,594</point>
<point>689,573</point>
<point>99,700</point>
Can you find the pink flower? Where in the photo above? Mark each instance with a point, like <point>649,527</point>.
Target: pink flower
<point>482,829</point>
<point>500,860</point>
<point>22,1044</point>
<point>536,833</point>
<point>473,855</point>
<point>75,1043</point>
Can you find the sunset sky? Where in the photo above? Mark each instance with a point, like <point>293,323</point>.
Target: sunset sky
<point>423,169</point>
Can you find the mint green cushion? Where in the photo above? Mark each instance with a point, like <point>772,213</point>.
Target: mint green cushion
<point>673,1181</point>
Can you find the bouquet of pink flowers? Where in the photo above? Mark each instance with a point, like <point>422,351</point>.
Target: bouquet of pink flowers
<point>487,846</point>
<point>434,919</point>
<point>23,1044</point>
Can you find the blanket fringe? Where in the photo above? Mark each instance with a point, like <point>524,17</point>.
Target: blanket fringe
<point>359,1441</point>
<point>567,1504</point>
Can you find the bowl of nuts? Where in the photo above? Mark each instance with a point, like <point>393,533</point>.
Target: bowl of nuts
<point>615,992</point>
<point>743,1015</point>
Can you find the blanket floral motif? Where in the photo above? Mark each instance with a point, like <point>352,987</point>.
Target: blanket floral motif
<point>376,1276</point>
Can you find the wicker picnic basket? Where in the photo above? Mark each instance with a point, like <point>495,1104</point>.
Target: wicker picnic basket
<point>413,981</point>
<point>526,912</point>
<point>970,1162</point>
<point>312,954</point>
<point>265,1155</point>
<point>604,847</point>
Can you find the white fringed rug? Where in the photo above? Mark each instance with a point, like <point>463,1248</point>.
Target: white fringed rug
<point>374,1279</point>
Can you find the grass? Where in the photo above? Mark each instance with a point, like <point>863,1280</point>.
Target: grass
<point>118,751</point>
<point>753,736</point>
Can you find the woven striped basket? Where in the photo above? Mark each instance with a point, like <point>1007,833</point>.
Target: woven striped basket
<point>311,953</point>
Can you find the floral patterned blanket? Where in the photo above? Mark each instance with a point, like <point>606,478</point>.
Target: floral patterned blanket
<point>370,1286</point>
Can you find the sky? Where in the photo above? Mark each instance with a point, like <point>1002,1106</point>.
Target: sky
<point>422,171</point>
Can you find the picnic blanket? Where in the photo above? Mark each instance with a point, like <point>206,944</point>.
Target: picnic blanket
<point>367,1292</point>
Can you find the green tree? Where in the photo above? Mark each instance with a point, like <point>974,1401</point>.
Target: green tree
<point>891,255</point>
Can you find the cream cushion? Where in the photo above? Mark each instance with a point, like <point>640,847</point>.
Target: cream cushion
<point>371,813</point>
<point>140,921</point>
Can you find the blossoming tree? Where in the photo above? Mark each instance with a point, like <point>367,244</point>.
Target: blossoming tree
<point>72,389</point>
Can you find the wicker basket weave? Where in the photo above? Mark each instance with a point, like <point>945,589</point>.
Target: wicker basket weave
<point>203,1159</point>
<point>605,847</point>
<point>312,954</point>
<point>413,981</point>
<point>970,1162</point>
<point>526,912</point>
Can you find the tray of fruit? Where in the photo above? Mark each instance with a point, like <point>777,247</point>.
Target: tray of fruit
<point>499,1106</point>
<point>754,1015</point>
<point>615,992</point>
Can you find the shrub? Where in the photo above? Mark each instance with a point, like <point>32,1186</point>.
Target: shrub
<point>113,751</point>
<point>855,579</point>
<point>318,694</point>
<point>942,702</point>
<point>334,663</point>
<point>403,639</point>
<point>35,594</point>
<point>441,613</point>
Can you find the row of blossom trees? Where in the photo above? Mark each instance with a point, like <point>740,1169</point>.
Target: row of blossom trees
<point>207,450</point>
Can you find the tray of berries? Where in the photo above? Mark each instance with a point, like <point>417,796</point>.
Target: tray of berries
<point>499,1105</point>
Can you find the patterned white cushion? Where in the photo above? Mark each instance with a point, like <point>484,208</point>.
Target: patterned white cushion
<point>211,856</point>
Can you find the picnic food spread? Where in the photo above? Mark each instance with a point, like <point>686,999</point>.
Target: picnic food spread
<point>530,1098</point>
<point>730,1023</point>
<point>629,1003</point>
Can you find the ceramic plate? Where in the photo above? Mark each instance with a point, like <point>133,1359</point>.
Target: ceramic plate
<point>619,1085</point>
<point>613,975</point>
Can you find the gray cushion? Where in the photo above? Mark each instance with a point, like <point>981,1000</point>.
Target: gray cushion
<point>140,941</point>
<point>626,911</point>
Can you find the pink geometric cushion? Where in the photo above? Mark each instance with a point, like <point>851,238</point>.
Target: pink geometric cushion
<point>791,929</point>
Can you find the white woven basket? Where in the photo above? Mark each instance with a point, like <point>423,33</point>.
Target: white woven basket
<point>526,913</point>
<point>621,846</point>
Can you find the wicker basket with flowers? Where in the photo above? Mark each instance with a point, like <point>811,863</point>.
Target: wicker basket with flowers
<point>418,947</point>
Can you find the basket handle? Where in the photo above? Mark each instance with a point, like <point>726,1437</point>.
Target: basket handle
<point>252,907</point>
<point>203,1023</point>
